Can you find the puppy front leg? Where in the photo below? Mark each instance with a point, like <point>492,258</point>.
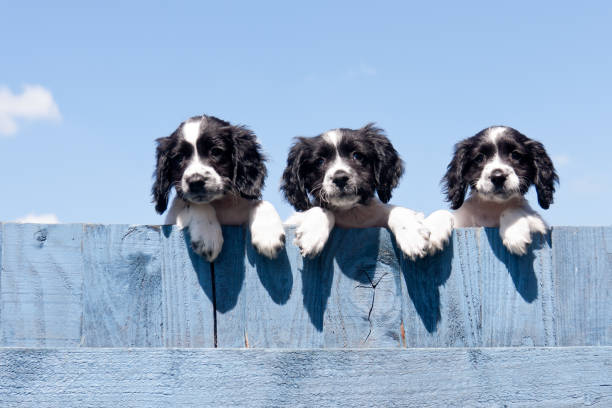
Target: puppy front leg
<point>204,229</point>
<point>312,230</point>
<point>440,223</point>
<point>410,234</point>
<point>267,232</point>
<point>515,230</point>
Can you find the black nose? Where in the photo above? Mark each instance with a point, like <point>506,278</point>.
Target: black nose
<point>196,184</point>
<point>340,178</point>
<point>498,178</point>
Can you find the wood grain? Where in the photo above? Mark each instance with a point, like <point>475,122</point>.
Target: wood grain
<point>187,307</point>
<point>334,300</point>
<point>478,377</point>
<point>40,285</point>
<point>582,294</point>
<point>122,286</point>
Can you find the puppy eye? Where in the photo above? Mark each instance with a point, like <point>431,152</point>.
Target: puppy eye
<point>480,158</point>
<point>215,151</point>
<point>515,155</point>
<point>358,156</point>
<point>320,161</point>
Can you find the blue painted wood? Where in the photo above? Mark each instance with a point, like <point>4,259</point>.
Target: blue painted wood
<point>334,300</point>
<point>187,307</point>
<point>516,293</point>
<point>441,295</point>
<point>122,286</point>
<point>40,285</point>
<point>119,286</point>
<point>582,295</point>
<point>483,377</point>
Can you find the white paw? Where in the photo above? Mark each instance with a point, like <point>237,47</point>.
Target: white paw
<point>440,224</point>
<point>312,231</point>
<point>267,232</point>
<point>516,236</point>
<point>411,235</point>
<point>537,224</point>
<point>206,239</point>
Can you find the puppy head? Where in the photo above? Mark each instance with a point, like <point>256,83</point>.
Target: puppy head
<point>499,163</point>
<point>340,169</point>
<point>206,158</point>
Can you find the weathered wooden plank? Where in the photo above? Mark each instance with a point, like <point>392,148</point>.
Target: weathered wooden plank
<point>346,297</point>
<point>40,285</point>
<point>122,286</point>
<point>188,313</point>
<point>475,293</point>
<point>582,260</point>
<point>441,295</point>
<point>516,293</point>
<point>544,377</point>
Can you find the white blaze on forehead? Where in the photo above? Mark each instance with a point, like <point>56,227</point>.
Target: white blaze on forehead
<point>191,131</point>
<point>333,137</point>
<point>495,132</point>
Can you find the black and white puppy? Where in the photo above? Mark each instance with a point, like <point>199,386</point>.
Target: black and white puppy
<point>217,171</point>
<point>332,180</point>
<point>499,164</point>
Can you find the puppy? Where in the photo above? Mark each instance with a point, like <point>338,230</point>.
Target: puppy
<point>332,178</point>
<point>499,164</point>
<point>217,171</point>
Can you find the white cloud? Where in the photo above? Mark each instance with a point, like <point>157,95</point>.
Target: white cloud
<point>363,70</point>
<point>35,102</point>
<point>561,160</point>
<point>38,219</point>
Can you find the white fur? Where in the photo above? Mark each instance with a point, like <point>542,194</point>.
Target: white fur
<point>204,228</point>
<point>333,137</point>
<point>314,225</point>
<point>495,132</point>
<point>516,220</point>
<point>411,235</point>
<point>329,188</point>
<point>440,224</point>
<point>484,185</point>
<point>191,132</point>
<point>312,230</point>
<point>267,232</point>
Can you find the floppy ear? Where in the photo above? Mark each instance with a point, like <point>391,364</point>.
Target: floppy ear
<point>389,167</point>
<point>249,163</point>
<point>454,184</point>
<point>163,183</point>
<point>545,174</point>
<point>292,184</point>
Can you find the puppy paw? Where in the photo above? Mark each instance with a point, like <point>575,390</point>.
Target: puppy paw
<point>267,232</point>
<point>411,235</point>
<point>206,240</point>
<point>440,224</point>
<point>312,231</point>
<point>515,235</point>
<point>537,224</point>
<point>268,240</point>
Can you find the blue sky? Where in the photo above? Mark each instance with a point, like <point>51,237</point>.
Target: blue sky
<point>87,89</point>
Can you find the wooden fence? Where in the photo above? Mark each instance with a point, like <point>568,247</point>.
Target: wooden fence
<point>117,315</point>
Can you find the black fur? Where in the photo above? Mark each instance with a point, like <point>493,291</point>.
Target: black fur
<point>163,184</point>
<point>527,157</point>
<point>545,175</point>
<point>375,167</point>
<point>232,151</point>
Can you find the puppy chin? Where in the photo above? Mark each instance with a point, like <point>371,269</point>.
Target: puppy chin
<point>343,202</point>
<point>204,198</point>
<point>500,196</point>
